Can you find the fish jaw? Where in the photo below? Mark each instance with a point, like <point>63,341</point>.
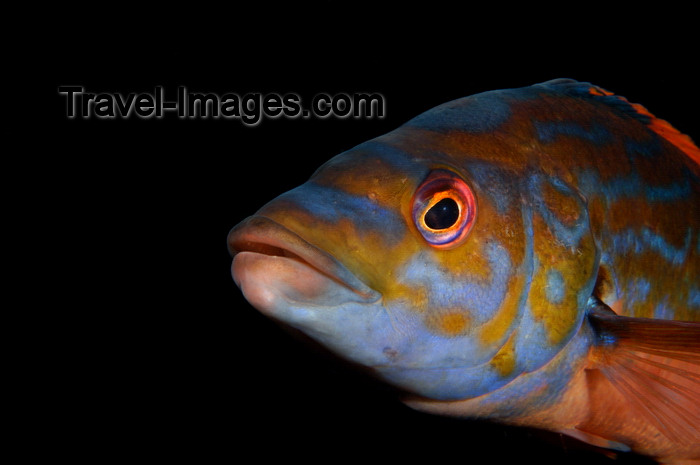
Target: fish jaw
<point>271,263</point>
<point>291,281</point>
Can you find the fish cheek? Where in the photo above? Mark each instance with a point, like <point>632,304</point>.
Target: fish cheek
<point>504,280</point>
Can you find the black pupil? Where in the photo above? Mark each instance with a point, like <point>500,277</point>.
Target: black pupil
<point>442,215</point>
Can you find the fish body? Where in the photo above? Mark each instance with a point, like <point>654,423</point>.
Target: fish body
<point>528,256</point>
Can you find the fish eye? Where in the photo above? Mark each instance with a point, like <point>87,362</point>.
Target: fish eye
<point>444,209</point>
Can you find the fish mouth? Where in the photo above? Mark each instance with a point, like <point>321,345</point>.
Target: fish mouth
<point>262,243</point>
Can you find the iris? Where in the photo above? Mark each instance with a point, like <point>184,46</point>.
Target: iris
<point>444,209</point>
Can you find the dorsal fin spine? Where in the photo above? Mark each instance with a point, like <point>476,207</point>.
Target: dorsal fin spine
<point>661,127</point>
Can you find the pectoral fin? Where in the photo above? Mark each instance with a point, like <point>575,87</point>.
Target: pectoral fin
<point>654,365</point>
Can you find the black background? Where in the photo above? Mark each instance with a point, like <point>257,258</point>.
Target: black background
<point>153,352</point>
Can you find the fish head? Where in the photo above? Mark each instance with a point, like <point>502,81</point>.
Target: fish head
<point>407,257</point>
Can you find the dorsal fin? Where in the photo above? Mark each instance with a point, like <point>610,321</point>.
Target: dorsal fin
<point>661,127</point>
<point>658,125</point>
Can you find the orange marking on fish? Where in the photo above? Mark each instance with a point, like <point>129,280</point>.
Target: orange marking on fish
<point>671,134</point>
<point>560,317</point>
<point>453,323</point>
<point>504,360</point>
<point>566,207</point>
<point>497,327</point>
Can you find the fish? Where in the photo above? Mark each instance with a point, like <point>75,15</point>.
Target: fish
<point>527,256</point>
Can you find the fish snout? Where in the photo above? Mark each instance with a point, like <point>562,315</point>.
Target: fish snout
<point>274,266</point>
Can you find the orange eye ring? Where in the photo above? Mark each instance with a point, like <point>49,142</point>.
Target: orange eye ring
<point>444,209</point>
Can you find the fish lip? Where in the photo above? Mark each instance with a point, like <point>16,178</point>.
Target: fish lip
<point>261,234</point>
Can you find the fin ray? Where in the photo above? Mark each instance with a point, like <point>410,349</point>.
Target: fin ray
<point>655,365</point>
